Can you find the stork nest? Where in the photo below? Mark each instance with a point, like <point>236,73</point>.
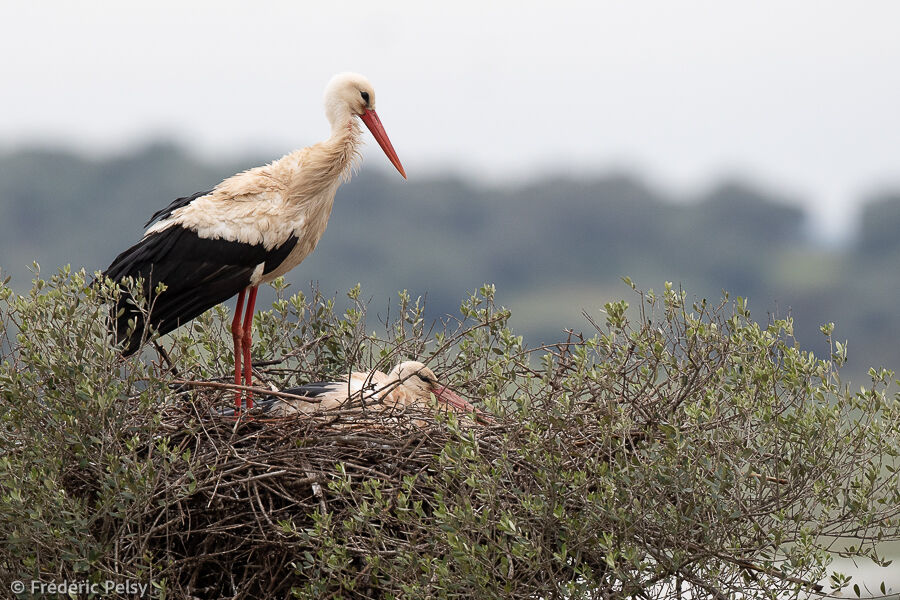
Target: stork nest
<point>246,507</point>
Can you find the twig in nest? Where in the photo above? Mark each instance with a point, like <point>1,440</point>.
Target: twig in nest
<point>316,487</point>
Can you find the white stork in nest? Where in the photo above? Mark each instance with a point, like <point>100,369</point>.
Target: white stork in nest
<point>248,230</point>
<point>409,385</point>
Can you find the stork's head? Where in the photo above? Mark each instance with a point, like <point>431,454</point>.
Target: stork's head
<point>350,95</point>
<point>421,381</point>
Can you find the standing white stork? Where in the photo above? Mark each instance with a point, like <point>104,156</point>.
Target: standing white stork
<point>251,228</point>
<point>409,385</point>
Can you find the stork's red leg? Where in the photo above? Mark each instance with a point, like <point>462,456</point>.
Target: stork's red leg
<point>237,335</point>
<point>247,342</point>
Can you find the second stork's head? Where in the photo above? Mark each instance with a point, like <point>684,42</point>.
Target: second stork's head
<point>350,95</point>
<point>421,381</point>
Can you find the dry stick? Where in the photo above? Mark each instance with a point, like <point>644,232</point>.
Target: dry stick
<point>315,485</point>
<point>774,573</point>
<point>247,388</point>
<point>262,509</point>
<point>165,356</point>
<point>768,478</point>
<point>228,484</point>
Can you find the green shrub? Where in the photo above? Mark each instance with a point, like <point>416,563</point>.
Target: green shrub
<point>675,449</point>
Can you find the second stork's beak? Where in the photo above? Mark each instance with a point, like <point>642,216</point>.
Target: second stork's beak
<point>449,397</point>
<point>370,118</point>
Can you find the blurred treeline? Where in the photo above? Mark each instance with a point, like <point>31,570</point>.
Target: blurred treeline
<point>553,247</point>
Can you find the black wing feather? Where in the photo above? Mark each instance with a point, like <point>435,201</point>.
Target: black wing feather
<point>276,256</point>
<point>309,390</point>
<point>198,272</point>
<point>315,389</point>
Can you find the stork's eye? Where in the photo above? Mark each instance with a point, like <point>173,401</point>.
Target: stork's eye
<point>365,96</point>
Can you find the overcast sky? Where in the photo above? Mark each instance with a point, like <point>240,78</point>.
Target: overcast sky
<point>802,96</point>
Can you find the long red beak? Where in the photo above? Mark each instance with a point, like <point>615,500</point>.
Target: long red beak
<point>370,118</point>
<point>448,396</point>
